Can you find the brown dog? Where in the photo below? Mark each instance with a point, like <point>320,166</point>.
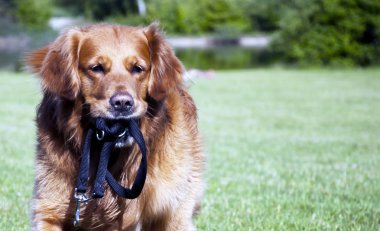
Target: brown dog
<point>116,72</point>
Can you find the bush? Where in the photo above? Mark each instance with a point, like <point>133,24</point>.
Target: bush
<point>263,15</point>
<point>34,14</point>
<point>199,16</point>
<point>339,32</point>
<point>224,17</point>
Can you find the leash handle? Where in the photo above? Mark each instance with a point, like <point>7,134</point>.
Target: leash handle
<point>102,169</point>
<point>140,178</point>
<point>116,130</point>
<point>84,168</point>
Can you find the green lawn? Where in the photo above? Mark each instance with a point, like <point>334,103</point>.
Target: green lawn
<point>287,149</point>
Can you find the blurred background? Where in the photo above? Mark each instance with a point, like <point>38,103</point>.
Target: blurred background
<point>208,34</point>
<point>288,98</point>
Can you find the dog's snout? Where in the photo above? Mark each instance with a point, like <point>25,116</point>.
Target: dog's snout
<point>122,101</point>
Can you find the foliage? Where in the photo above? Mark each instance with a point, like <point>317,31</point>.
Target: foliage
<point>263,15</point>
<point>199,16</point>
<point>223,16</point>
<point>175,16</point>
<point>338,32</point>
<point>313,32</point>
<point>34,14</point>
<point>99,10</point>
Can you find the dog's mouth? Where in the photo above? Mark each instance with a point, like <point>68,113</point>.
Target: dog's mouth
<point>122,136</point>
<point>115,115</point>
<point>120,115</point>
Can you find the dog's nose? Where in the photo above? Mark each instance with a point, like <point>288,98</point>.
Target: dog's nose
<point>122,101</point>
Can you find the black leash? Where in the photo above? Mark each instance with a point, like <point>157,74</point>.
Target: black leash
<point>108,134</point>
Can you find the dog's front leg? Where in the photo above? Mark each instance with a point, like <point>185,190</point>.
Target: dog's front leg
<point>179,220</point>
<point>46,216</point>
<point>170,224</point>
<point>45,224</point>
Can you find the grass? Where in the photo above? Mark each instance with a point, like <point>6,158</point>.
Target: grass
<point>19,95</point>
<point>287,149</point>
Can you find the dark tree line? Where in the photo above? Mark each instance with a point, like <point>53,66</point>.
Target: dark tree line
<point>316,32</point>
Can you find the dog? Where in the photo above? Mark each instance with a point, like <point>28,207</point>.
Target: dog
<point>116,72</point>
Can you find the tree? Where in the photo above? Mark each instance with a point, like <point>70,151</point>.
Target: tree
<point>337,32</point>
<point>34,14</point>
<point>199,16</point>
<point>263,15</point>
<point>223,16</point>
<point>99,10</point>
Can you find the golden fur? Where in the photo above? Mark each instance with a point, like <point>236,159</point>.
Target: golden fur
<point>75,90</point>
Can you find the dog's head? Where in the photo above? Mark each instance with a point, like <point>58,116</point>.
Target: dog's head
<point>113,68</point>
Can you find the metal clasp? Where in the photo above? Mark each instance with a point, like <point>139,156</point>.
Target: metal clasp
<point>123,133</point>
<point>100,135</point>
<point>79,198</point>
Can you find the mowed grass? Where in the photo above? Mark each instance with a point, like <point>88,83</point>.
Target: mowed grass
<point>287,149</point>
<point>19,95</point>
<point>291,150</point>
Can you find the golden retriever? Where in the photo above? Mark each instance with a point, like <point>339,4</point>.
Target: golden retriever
<point>116,72</point>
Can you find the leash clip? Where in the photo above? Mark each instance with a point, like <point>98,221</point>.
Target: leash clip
<point>100,136</point>
<point>79,198</point>
<point>123,133</point>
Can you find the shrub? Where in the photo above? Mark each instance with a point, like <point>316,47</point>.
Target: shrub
<point>262,15</point>
<point>34,14</point>
<point>199,16</point>
<point>224,17</point>
<point>333,32</point>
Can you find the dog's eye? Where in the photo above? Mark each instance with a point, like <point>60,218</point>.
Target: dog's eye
<point>97,68</point>
<point>137,69</point>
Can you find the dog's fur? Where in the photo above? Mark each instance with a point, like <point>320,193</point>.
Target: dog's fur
<point>138,62</point>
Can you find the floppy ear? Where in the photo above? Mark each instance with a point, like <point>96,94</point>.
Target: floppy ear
<point>166,70</point>
<point>57,64</point>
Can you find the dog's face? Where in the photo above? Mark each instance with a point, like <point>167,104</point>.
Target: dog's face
<point>114,75</point>
<point>113,68</point>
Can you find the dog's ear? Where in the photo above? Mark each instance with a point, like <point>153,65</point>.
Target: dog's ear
<point>166,69</point>
<point>57,64</point>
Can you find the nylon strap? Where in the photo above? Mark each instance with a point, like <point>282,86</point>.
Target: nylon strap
<point>109,135</point>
